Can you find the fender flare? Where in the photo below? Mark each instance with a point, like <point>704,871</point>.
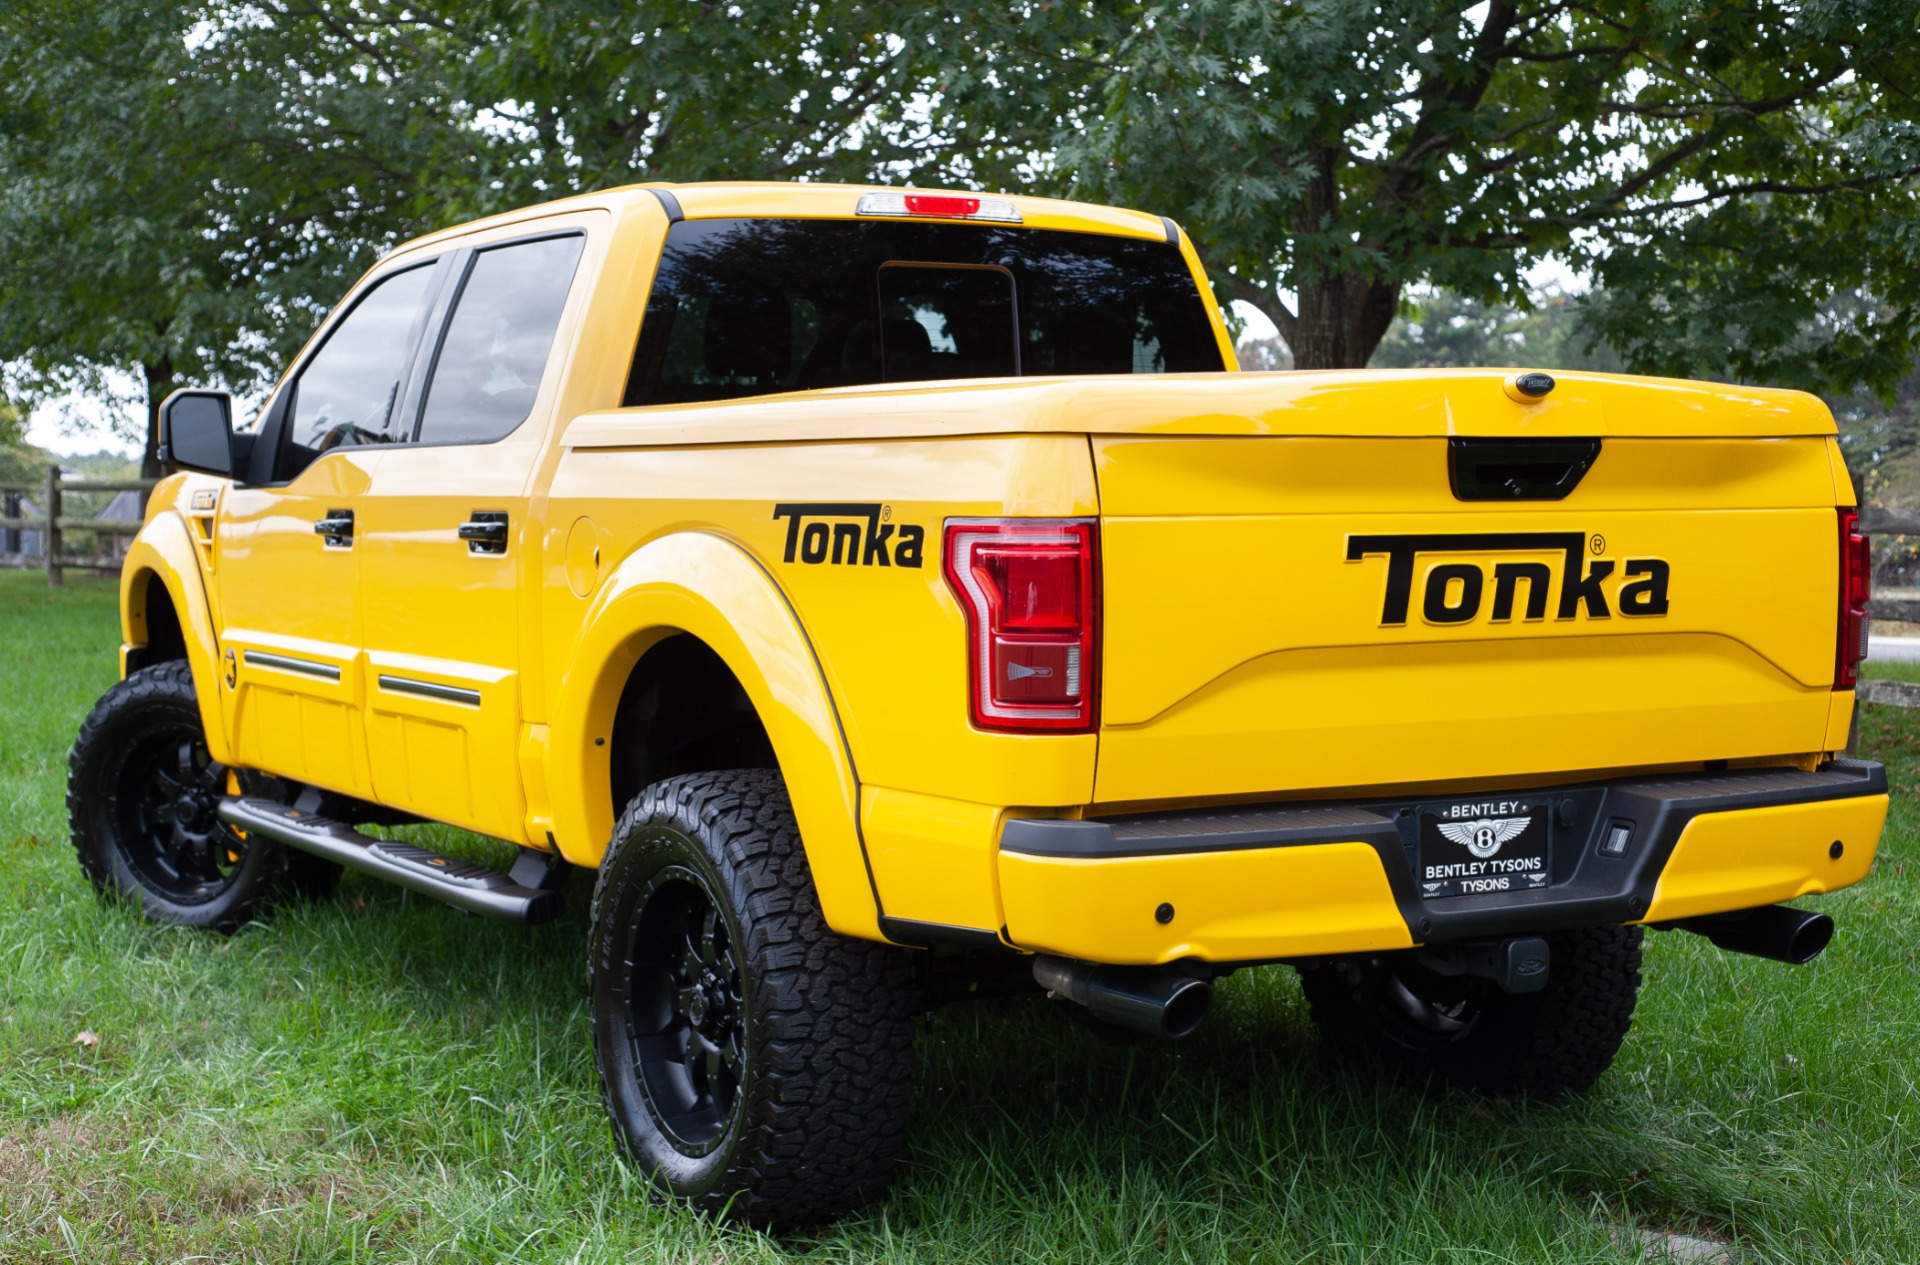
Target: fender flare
<point>709,587</point>
<point>164,550</point>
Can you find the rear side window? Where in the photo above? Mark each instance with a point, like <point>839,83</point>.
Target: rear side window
<point>348,393</point>
<point>490,363</point>
<point>752,306</point>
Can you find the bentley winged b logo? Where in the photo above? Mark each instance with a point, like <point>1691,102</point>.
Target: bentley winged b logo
<point>1483,836</point>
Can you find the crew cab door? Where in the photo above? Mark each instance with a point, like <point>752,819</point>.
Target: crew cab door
<point>445,546</point>
<point>286,548</point>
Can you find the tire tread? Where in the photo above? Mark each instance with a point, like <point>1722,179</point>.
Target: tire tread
<point>826,1117</point>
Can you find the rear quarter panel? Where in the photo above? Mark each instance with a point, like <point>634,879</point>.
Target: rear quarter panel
<point>889,638</point>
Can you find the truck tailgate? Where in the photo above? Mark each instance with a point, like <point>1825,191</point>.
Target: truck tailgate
<point>1307,612</point>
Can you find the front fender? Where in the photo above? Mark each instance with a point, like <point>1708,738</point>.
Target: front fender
<point>164,550</point>
<point>711,588</point>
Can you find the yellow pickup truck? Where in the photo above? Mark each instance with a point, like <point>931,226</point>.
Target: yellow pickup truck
<point>898,596</point>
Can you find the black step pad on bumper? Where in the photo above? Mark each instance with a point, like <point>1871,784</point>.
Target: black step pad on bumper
<point>461,884</point>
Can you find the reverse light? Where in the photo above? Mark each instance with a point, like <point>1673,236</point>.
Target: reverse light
<point>1856,589</point>
<point>939,206</point>
<point>1031,591</point>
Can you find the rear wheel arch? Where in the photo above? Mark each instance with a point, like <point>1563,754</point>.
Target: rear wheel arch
<point>709,594</point>
<point>682,710</point>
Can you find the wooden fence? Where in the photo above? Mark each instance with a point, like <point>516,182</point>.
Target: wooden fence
<point>1882,522</point>
<point>53,523</point>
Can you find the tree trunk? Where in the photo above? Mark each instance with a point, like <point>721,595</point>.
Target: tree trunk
<point>1342,315</point>
<point>159,386</point>
<point>1342,319</point>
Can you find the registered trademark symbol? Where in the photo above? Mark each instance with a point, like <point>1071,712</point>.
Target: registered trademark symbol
<point>1598,544</point>
<point>886,513</point>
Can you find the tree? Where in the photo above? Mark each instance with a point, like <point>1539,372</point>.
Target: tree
<point>1438,328</point>
<point>597,93</point>
<point>186,187</point>
<point>1336,152</point>
<point>178,184</point>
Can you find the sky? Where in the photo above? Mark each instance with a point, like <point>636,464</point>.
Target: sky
<point>78,424</point>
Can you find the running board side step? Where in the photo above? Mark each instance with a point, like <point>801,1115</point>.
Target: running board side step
<point>461,884</point>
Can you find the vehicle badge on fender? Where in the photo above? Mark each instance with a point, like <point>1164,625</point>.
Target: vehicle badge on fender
<point>1579,582</point>
<point>833,536</point>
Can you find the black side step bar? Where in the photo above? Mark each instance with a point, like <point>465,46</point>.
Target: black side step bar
<point>461,884</point>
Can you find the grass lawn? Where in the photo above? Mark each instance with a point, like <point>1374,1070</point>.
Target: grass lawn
<point>1892,669</point>
<point>379,1078</point>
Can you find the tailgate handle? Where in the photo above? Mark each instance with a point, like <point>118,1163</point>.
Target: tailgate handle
<point>1518,469</point>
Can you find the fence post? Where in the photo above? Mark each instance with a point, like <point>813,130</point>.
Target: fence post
<point>50,539</point>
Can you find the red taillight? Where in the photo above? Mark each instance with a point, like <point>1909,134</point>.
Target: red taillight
<point>1031,591</point>
<point>1856,588</point>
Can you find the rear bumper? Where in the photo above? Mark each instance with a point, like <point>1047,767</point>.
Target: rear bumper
<point>1257,883</point>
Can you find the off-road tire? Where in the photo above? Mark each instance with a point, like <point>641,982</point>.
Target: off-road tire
<point>1507,1045</point>
<point>119,845</point>
<point>823,1024</point>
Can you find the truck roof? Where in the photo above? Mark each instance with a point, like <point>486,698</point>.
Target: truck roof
<point>775,199</point>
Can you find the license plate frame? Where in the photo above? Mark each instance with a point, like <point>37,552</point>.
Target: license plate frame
<point>1488,846</point>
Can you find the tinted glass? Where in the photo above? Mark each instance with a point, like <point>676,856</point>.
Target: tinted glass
<point>496,348</point>
<point>945,322</point>
<point>751,306</point>
<point>349,392</point>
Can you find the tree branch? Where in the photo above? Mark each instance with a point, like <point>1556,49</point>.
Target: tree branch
<point>1269,304</point>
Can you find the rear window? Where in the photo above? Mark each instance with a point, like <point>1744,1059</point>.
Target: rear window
<point>753,306</point>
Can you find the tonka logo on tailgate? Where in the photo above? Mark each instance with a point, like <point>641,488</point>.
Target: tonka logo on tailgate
<point>849,534</point>
<point>1455,592</point>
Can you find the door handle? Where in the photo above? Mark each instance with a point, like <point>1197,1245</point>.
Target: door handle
<point>337,527</point>
<point>485,532</point>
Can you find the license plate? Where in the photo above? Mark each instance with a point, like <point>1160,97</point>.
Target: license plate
<point>1478,847</point>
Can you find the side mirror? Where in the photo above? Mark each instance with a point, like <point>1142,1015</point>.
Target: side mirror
<point>196,431</point>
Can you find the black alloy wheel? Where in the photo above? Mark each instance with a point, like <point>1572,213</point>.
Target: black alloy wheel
<point>686,1018</point>
<point>163,800</point>
<point>143,799</point>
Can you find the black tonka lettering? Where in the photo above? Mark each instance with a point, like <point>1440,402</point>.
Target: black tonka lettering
<point>848,533</point>
<point>1453,590</point>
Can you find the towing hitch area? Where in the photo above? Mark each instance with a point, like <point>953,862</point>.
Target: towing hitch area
<point>1770,931</point>
<point>1517,964</point>
<point>1162,1001</point>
